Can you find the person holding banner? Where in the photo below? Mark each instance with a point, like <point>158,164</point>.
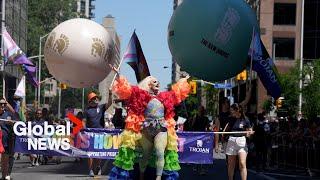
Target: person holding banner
<point>7,113</point>
<point>94,115</point>
<point>149,125</point>
<point>236,145</point>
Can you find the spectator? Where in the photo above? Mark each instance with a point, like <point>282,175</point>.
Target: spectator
<point>38,120</point>
<point>200,123</point>
<point>261,141</point>
<point>7,112</point>
<point>118,119</point>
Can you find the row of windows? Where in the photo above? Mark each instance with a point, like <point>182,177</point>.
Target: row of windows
<point>285,14</point>
<point>16,17</point>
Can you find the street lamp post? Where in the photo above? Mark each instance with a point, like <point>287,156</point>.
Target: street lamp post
<point>35,89</point>
<point>301,58</point>
<point>39,73</point>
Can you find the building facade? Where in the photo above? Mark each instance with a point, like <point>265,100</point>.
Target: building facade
<point>109,24</point>
<point>15,22</point>
<point>280,26</point>
<point>85,8</point>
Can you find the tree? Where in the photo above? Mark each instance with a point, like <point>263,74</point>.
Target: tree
<point>289,83</point>
<point>267,105</point>
<point>311,91</point>
<point>212,96</point>
<point>43,16</point>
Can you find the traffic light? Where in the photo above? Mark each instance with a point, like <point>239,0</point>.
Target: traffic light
<point>193,85</point>
<point>279,103</point>
<point>63,86</point>
<point>242,76</point>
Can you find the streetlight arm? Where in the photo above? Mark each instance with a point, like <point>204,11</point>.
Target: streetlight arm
<point>47,79</point>
<point>34,57</point>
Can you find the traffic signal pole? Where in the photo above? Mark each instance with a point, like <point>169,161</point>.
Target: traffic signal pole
<point>59,103</point>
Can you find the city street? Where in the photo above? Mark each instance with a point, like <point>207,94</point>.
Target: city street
<point>69,169</point>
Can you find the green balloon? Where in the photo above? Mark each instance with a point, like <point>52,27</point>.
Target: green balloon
<point>210,39</point>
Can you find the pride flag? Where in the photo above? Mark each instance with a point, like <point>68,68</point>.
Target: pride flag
<point>13,53</point>
<point>135,58</point>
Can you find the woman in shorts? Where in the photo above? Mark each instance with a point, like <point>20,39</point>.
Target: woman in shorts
<point>236,145</point>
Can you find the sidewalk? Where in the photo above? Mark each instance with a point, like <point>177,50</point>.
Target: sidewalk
<point>287,173</point>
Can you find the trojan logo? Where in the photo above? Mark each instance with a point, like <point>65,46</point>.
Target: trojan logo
<point>97,48</point>
<point>230,20</point>
<point>50,41</point>
<point>61,44</point>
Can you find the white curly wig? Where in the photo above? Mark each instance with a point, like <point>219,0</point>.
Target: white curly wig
<point>144,84</point>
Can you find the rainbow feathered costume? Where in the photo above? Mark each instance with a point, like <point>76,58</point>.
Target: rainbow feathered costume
<point>136,101</point>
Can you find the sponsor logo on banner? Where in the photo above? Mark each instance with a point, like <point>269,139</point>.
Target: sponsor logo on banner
<point>199,148</point>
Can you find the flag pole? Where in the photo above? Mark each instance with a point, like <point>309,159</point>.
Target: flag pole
<point>2,53</point>
<point>114,77</point>
<point>251,58</point>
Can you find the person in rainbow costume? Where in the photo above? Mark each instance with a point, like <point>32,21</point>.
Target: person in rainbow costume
<point>149,126</point>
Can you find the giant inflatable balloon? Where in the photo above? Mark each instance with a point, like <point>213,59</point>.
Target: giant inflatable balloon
<point>210,39</point>
<point>77,52</point>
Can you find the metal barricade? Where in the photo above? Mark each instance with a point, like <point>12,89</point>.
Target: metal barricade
<point>301,154</point>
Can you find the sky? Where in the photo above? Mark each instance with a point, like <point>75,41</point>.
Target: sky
<point>150,18</point>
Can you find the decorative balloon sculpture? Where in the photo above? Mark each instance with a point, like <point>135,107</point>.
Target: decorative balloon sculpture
<point>77,52</point>
<point>210,39</point>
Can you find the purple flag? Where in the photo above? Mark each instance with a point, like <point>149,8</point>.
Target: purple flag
<point>135,58</point>
<point>12,52</point>
<point>30,72</point>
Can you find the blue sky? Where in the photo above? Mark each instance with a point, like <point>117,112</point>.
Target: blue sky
<point>150,18</point>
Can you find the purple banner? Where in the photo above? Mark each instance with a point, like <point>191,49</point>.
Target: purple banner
<point>193,147</point>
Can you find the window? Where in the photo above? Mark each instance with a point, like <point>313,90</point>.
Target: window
<point>285,48</point>
<point>311,44</point>
<point>284,14</point>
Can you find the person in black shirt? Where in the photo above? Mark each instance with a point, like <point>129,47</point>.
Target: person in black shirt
<point>237,142</point>
<point>118,119</point>
<point>200,122</point>
<point>7,112</point>
<point>261,140</point>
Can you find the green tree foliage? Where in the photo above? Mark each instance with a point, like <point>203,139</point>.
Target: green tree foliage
<point>43,16</point>
<point>289,83</point>
<point>311,91</point>
<point>212,96</point>
<point>71,98</point>
<point>267,105</point>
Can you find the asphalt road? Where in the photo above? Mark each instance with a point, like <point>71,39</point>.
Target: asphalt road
<point>69,169</point>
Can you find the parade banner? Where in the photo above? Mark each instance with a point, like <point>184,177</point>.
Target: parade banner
<point>193,147</point>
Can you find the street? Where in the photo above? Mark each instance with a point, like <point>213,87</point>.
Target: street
<point>69,169</point>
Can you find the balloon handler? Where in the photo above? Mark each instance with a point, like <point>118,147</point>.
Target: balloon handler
<point>149,137</point>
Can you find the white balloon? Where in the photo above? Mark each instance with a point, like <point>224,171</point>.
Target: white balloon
<point>77,52</point>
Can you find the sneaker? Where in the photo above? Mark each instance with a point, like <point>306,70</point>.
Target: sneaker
<point>91,174</point>
<point>37,163</point>
<point>99,171</point>
<point>7,178</point>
